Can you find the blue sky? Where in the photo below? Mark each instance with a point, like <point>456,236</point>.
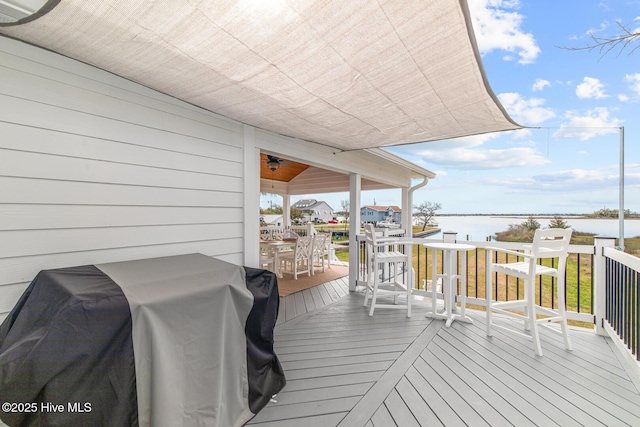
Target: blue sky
<point>577,99</point>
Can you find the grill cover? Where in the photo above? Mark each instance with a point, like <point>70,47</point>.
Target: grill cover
<point>182,340</point>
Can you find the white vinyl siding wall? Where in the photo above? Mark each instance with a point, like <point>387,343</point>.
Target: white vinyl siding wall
<point>95,168</point>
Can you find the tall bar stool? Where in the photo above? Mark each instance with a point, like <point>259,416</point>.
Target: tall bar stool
<point>389,271</point>
<point>549,243</point>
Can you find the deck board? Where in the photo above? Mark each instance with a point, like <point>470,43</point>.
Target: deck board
<point>349,390</point>
<point>487,394</point>
<point>563,390</point>
<point>419,408</point>
<point>399,410</point>
<point>503,383</point>
<point>434,399</point>
<point>310,305</point>
<point>345,368</point>
<point>317,298</point>
<point>382,418</point>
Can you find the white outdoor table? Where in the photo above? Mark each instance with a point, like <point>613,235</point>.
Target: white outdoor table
<point>274,246</point>
<point>449,280</point>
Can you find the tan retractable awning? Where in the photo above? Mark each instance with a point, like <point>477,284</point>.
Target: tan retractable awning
<point>349,74</point>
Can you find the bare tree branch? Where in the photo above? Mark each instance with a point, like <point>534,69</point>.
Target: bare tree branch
<point>425,213</point>
<point>604,45</point>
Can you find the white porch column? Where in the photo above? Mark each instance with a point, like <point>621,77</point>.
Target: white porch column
<point>251,202</point>
<point>286,210</point>
<point>407,210</point>
<point>407,224</point>
<point>355,187</point>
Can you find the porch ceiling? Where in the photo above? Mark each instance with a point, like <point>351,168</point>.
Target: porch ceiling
<point>378,169</point>
<point>347,74</point>
<point>285,172</point>
<point>315,180</point>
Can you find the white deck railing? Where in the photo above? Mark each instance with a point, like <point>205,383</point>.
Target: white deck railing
<point>609,277</point>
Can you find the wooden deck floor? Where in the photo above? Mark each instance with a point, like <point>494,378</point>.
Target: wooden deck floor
<point>345,368</point>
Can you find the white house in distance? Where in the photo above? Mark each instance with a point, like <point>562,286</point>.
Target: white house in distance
<point>136,129</point>
<point>275,219</point>
<point>381,214</point>
<point>314,210</point>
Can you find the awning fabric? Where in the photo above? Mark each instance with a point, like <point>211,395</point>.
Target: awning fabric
<point>348,74</point>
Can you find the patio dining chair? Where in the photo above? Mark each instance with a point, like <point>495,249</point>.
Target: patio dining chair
<point>318,252</point>
<point>388,271</point>
<point>297,261</point>
<point>552,243</point>
<point>267,260</point>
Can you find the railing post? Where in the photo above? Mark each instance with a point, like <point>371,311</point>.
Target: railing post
<point>449,236</point>
<point>599,282</point>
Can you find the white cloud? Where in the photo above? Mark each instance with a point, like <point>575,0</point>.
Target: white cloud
<point>603,26</point>
<point>623,98</point>
<point>590,88</point>
<point>563,181</point>
<point>540,84</point>
<point>634,82</point>
<point>593,123</point>
<point>578,179</point>
<point>410,150</point>
<point>525,111</point>
<point>475,159</point>
<point>497,26</point>
<point>574,175</point>
<point>522,133</point>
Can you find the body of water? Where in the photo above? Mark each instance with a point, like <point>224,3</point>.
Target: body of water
<point>480,227</point>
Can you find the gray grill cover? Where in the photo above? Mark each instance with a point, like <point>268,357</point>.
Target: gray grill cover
<point>201,330</point>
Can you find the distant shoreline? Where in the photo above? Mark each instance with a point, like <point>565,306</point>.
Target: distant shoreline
<point>574,215</point>
<point>542,216</point>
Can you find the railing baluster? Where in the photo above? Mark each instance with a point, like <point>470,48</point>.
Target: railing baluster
<point>477,270</point>
<point>592,284</point>
<point>620,297</point>
<point>636,321</point>
<point>552,283</point>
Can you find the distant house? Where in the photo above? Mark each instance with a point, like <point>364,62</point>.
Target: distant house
<point>271,220</point>
<point>314,210</point>
<point>381,214</point>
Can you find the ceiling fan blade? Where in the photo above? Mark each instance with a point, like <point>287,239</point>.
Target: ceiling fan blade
<point>275,162</point>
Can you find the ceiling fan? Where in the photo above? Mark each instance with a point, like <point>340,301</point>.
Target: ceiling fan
<point>274,163</point>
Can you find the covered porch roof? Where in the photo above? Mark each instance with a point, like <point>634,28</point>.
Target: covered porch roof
<point>297,178</point>
<point>345,74</point>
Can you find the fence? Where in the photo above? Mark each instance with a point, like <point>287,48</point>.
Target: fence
<point>602,284</point>
<point>619,315</point>
<point>277,232</point>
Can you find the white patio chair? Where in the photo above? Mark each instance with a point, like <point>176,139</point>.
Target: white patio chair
<point>318,252</point>
<point>388,271</point>
<point>267,262</point>
<point>297,261</point>
<point>328,250</point>
<point>549,243</point>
